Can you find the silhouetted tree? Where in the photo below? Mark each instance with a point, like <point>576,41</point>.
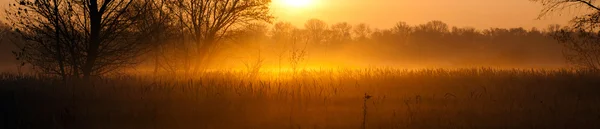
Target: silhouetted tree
<point>44,32</point>
<point>91,37</point>
<point>282,32</point>
<point>402,32</point>
<point>341,32</point>
<point>317,31</point>
<point>163,26</point>
<point>362,31</point>
<point>207,22</point>
<point>583,48</point>
<point>432,29</point>
<point>582,41</point>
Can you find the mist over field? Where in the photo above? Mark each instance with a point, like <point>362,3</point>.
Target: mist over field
<point>340,45</point>
<point>397,47</point>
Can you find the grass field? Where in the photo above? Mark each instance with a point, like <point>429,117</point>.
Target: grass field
<point>317,99</point>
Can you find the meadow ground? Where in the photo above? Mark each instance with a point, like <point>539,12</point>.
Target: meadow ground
<point>316,99</point>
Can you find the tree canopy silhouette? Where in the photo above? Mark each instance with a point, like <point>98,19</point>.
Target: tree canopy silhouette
<point>80,37</point>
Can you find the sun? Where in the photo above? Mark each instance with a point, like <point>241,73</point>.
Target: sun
<point>297,3</point>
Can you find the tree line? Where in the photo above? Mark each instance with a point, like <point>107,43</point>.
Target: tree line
<point>434,41</point>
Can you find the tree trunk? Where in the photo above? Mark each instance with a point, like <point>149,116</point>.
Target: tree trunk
<point>94,42</point>
<point>203,54</point>
<point>58,46</point>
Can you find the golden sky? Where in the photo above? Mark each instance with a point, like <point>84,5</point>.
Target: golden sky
<point>462,13</point>
<point>385,13</point>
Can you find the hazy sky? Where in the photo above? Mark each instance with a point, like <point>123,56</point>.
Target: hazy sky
<point>385,13</point>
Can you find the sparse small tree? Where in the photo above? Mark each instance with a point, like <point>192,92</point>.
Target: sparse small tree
<point>298,51</point>
<point>282,33</point>
<point>250,39</point>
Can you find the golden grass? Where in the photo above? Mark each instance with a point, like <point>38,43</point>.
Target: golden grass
<point>427,98</point>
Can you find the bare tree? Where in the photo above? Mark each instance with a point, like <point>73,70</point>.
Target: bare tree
<point>163,24</point>
<point>316,30</point>
<point>341,32</point>
<point>90,37</point>
<point>207,22</point>
<point>402,28</point>
<point>582,40</point>
<point>298,51</point>
<point>402,31</point>
<point>282,31</point>
<point>39,25</point>
<point>362,31</point>
<point>583,48</point>
<point>434,27</point>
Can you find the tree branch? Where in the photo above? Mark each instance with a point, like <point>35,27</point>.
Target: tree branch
<point>588,3</point>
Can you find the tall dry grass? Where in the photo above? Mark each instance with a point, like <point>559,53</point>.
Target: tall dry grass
<point>427,98</point>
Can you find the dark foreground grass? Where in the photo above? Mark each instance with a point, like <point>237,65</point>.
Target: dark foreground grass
<point>327,99</point>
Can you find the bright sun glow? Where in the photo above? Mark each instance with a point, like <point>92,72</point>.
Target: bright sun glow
<point>297,3</point>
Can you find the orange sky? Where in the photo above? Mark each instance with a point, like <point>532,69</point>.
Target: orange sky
<point>384,13</point>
